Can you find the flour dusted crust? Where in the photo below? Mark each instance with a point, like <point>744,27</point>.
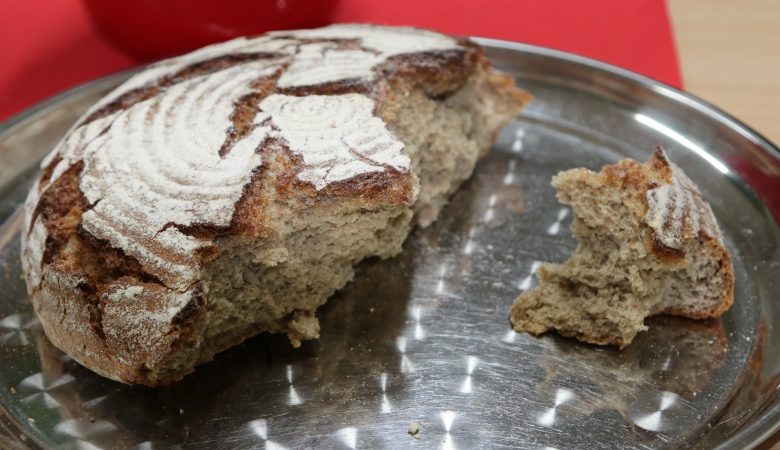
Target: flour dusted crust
<point>676,211</point>
<point>200,155</point>
<point>337,136</point>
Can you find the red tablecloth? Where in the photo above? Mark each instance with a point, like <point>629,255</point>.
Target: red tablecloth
<point>47,46</point>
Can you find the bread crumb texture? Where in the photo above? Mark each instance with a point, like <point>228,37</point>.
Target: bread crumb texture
<point>648,243</point>
<point>230,191</point>
<point>414,430</point>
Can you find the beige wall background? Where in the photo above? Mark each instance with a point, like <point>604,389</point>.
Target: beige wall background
<point>729,51</point>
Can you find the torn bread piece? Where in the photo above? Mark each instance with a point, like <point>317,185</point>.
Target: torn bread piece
<point>648,244</point>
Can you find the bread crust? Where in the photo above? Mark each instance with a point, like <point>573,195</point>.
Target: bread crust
<point>122,301</point>
<point>659,170</point>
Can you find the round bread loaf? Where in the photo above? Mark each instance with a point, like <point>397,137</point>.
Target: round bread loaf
<point>231,191</point>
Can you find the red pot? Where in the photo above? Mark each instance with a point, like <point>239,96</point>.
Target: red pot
<point>153,29</point>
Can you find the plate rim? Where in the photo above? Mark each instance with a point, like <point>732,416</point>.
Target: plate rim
<point>751,434</point>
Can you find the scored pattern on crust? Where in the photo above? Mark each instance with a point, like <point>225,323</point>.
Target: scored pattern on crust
<point>320,63</point>
<point>158,164</point>
<point>155,165</point>
<point>159,70</point>
<point>675,211</point>
<point>388,41</point>
<point>327,62</point>
<point>337,136</point>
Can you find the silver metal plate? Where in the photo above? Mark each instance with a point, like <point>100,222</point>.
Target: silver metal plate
<point>424,337</point>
